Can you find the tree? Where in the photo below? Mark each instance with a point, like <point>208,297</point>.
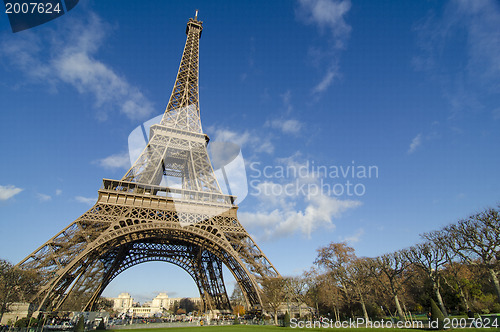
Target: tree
<point>273,295</point>
<point>296,289</point>
<point>341,262</point>
<point>104,304</point>
<point>16,285</point>
<point>174,306</point>
<point>389,270</point>
<point>429,258</point>
<point>447,241</point>
<point>80,325</point>
<point>101,326</point>
<point>23,322</point>
<point>477,239</point>
<point>331,298</point>
<point>312,280</point>
<point>286,320</point>
<point>237,297</point>
<point>238,301</point>
<point>238,310</point>
<point>187,304</point>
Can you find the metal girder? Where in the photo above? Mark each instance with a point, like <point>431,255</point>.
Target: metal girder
<point>135,220</point>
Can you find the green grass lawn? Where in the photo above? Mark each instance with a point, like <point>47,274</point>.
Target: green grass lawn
<point>261,328</point>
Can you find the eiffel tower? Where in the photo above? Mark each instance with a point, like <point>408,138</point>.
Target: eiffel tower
<point>140,219</point>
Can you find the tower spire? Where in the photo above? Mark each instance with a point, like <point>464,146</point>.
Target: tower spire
<point>183,109</point>
<point>183,156</point>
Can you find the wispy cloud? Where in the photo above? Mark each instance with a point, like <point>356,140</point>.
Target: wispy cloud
<point>415,143</point>
<point>285,124</point>
<point>119,160</point>
<point>496,114</point>
<point>459,49</point>
<point>250,68</point>
<point>354,238</point>
<point>43,197</point>
<point>86,200</point>
<point>290,126</point>
<point>58,192</point>
<point>9,191</point>
<point>71,56</point>
<point>327,15</point>
<point>331,73</point>
<point>253,141</point>
<point>287,101</point>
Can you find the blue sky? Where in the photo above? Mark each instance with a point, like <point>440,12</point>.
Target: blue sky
<point>409,87</point>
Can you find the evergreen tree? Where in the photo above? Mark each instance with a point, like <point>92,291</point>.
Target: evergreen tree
<point>286,320</point>
<point>80,326</point>
<point>101,325</point>
<point>437,315</point>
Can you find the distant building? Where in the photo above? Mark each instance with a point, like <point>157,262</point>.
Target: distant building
<point>16,311</point>
<point>162,301</point>
<point>123,301</point>
<point>124,304</point>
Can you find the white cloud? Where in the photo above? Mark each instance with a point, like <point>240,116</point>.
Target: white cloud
<point>291,126</point>
<point>226,135</point>
<point>294,201</point>
<point>7,192</point>
<point>326,13</point>
<point>119,160</point>
<point>58,192</point>
<point>43,197</point>
<point>70,56</point>
<point>86,200</point>
<point>319,212</point>
<point>415,143</point>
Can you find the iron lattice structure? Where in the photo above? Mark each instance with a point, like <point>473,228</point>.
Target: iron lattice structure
<point>140,219</point>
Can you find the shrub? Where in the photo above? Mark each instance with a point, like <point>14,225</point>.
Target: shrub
<point>437,315</point>
<point>286,320</point>
<point>23,322</point>
<point>101,325</point>
<point>80,326</point>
